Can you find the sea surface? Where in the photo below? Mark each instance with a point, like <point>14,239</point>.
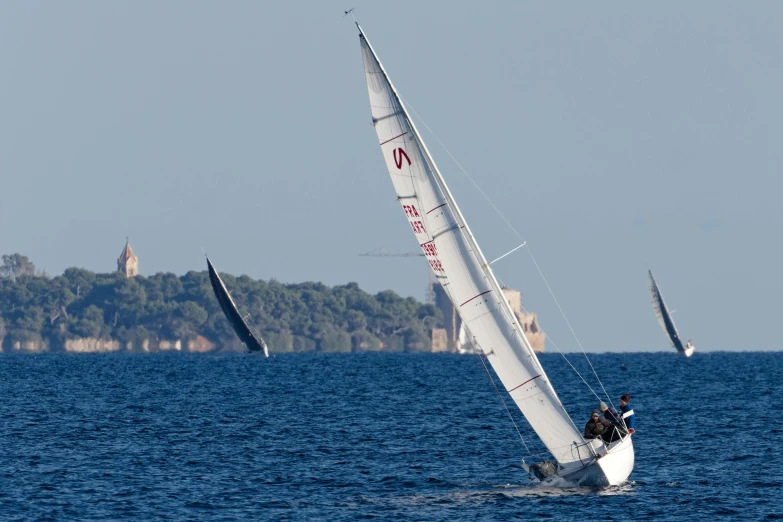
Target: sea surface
<point>385,436</point>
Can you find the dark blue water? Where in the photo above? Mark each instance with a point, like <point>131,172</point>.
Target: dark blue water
<point>389,436</point>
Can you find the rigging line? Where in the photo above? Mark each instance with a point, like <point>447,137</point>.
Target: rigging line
<point>569,325</point>
<point>571,365</point>
<point>563,355</point>
<point>463,169</point>
<point>503,217</point>
<point>489,375</point>
<point>507,253</point>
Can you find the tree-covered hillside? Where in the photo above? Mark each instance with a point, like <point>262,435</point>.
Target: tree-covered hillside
<point>290,317</point>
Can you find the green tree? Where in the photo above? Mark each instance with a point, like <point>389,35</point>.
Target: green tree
<point>16,265</point>
<point>364,341</point>
<point>89,324</point>
<point>335,341</point>
<point>356,320</point>
<point>417,339</point>
<point>80,281</point>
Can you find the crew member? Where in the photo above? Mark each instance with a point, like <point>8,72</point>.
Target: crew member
<point>627,413</point>
<point>613,418</point>
<point>610,414</point>
<point>596,426</point>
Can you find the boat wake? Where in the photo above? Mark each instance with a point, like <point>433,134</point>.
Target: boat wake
<point>560,487</point>
<point>465,497</point>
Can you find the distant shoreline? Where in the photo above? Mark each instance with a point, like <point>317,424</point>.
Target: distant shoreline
<point>86,312</point>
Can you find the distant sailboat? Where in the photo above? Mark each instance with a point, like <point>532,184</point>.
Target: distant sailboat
<point>665,319</point>
<point>466,277</point>
<point>253,343</point>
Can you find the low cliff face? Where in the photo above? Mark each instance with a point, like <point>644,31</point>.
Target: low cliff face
<point>167,346</point>
<point>200,345</point>
<point>94,345</point>
<point>30,346</point>
<point>278,343</point>
<point>91,345</point>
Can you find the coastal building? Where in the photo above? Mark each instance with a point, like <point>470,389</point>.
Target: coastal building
<point>128,263</point>
<point>528,320</point>
<point>440,341</point>
<point>454,336</point>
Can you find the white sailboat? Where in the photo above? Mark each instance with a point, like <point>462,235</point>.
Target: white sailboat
<point>458,263</point>
<point>665,319</point>
<point>463,341</point>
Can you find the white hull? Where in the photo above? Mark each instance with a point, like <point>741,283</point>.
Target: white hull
<point>612,467</point>
<point>689,351</point>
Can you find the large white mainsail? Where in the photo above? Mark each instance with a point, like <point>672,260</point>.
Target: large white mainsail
<point>462,269</point>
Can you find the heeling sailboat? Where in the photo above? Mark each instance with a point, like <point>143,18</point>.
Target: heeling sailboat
<point>231,312</point>
<point>665,319</point>
<point>465,274</point>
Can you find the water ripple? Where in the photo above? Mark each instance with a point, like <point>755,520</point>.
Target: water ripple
<point>384,436</point>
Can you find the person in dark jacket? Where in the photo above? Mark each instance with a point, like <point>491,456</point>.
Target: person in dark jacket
<point>627,413</point>
<point>610,414</point>
<point>613,418</point>
<point>596,427</point>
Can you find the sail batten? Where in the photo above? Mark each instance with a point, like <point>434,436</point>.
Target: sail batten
<point>457,260</point>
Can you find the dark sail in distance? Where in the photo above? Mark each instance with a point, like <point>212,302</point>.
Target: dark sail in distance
<point>664,316</point>
<point>232,314</point>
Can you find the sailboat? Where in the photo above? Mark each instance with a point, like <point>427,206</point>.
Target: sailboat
<point>461,268</point>
<point>665,319</point>
<point>253,343</point>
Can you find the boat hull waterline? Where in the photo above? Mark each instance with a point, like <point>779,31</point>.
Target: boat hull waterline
<point>612,466</point>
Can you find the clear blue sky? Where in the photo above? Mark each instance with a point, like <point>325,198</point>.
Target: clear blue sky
<point>614,136</point>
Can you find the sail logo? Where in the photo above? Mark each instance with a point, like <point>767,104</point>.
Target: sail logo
<point>418,227</point>
<point>429,249</point>
<point>410,211</point>
<point>398,159</point>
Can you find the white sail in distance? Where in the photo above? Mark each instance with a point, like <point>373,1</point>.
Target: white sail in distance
<point>461,268</point>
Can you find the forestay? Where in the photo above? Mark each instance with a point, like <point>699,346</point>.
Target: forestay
<point>462,269</point>
<point>663,315</point>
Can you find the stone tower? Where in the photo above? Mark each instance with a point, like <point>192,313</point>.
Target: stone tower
<point>128,263</point>
<point>527,320</point>
<point>451,337</point>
